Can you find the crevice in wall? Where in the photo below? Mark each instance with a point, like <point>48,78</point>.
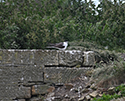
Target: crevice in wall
<point>37,82</point>
<point>64,66</point>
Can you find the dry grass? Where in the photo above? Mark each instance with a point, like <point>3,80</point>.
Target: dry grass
<point>110,67</point>
<point>109,74</point>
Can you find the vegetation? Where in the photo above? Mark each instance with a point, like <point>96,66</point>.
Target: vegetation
<point>120,88</point>
<point>110,73</point>
<point>34,23</point>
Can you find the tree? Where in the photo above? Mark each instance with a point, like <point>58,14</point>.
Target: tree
<point>34,23</point>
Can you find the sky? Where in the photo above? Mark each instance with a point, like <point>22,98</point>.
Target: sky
<point>96,2</point>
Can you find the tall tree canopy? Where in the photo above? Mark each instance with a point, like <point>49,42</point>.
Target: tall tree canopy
<point>33,23</point>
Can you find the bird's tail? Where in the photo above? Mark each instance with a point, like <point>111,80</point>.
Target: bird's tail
<point>50,47</point>
<point>51,44</point>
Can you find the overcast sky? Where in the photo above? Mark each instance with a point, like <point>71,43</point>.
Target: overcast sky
<point>96,2</point>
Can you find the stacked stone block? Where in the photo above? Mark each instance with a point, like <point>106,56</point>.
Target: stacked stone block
<point>26,73</point>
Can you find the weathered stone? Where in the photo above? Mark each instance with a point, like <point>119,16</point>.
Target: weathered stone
<point>119,93</point>
<point>46,57</point>
<point>68,86</point>
<point>21,70</point>
<point>73,98</point>
<point>23,57</point>
<point>89,73</point>
<point>24,92</point>
<point>89,58</point>
<point>51,89</point>
<point>86,90</point>
<point>59,84</point>
<point>31,74</point>
<point>21,100</point>
<point>1,54</point>
<point>93,86</point>
<point>42,89</point>
<point>70,57</point>
<point>87,98</point>
<point>97,57</point>
<point>100,95</point>
<point>37,99</point>
<point>6,56</point>
<point>12,79</point>
<point>66,96</point>
<point>111,90</point>
<point>50,97</point>
<point>17,57</point>
<point>9,92</point>
<point>93,94</point>
<point>81,99</point>
<point>58,98</point>
<point>62,75</point>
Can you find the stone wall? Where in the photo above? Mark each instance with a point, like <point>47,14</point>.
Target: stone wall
<point>28,73</point>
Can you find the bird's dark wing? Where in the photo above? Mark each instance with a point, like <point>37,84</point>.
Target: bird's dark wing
<point>59,45</point>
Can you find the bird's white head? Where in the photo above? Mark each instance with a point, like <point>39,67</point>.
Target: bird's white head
<point>65,44</point>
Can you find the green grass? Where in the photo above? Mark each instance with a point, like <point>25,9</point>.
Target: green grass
<point>120,88</point>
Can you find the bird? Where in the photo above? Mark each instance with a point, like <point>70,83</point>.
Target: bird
<point>60,46</point>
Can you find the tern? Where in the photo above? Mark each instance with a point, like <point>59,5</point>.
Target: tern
<point>60,46</point>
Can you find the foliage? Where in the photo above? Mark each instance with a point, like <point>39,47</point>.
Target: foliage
<point>111,75</point>
<point>35,23</point>
<point>106,97</point>
<point>120,88</point>
<point>10,32</point>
